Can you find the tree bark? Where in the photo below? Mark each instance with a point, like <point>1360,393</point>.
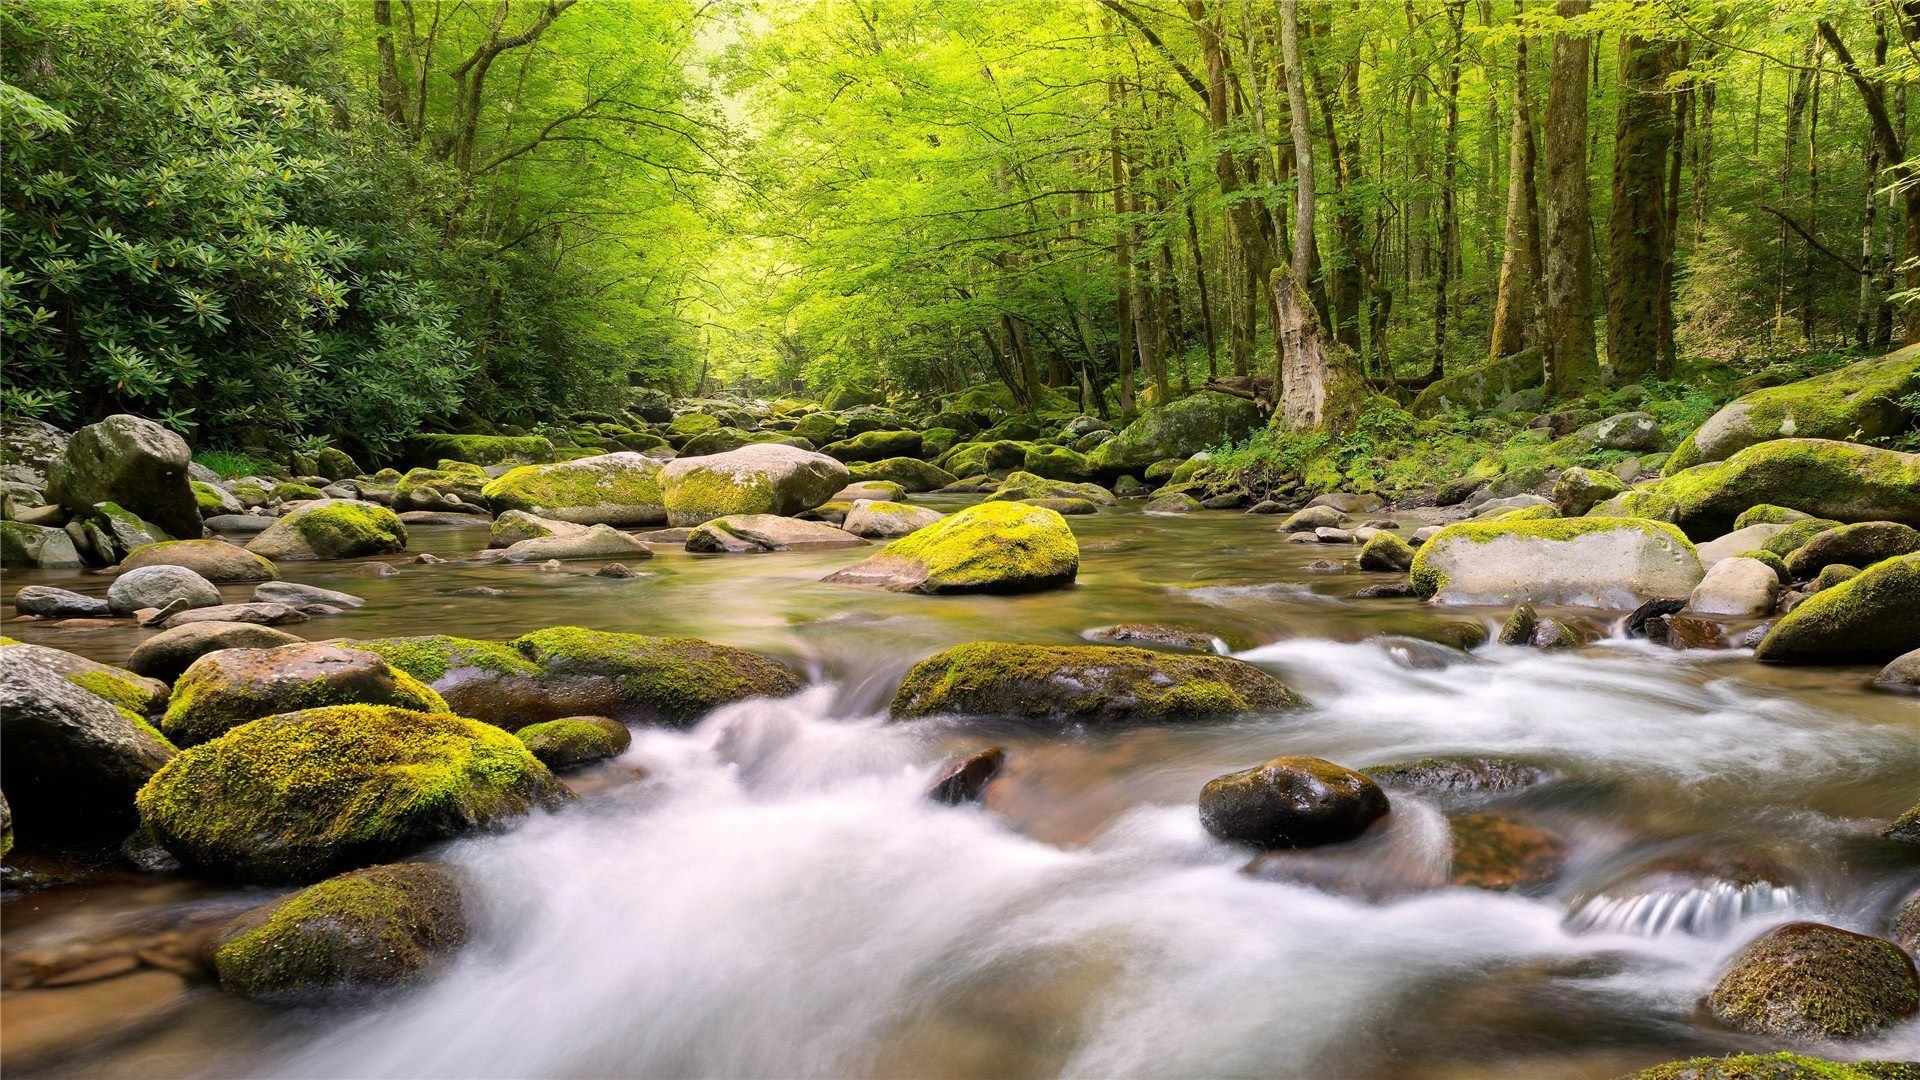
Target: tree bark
<point>393,96</point>
<point>1637,231</point>
<point>1666,354</point>
<point>1893,150</point>
<point>1254,253</point>
<point>1449,168</point>
<point>1571,365</point>
<point>1122,252</point>
<point>1520,244</point>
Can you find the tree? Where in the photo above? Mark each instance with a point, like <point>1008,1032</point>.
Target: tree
<point>1568,348</point>
<point>1638,241</point>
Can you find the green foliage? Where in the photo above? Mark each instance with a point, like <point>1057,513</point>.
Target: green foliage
<point>231,464</point>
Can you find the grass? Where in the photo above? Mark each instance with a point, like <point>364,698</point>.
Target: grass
<point>230,464</point>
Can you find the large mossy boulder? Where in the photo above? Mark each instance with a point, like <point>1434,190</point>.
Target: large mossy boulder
<point>1842,481</point>
<point>875,446</point>
<point>453,486</point>
<point>1057,463</point>
<point>362,931</point>
<point>225,689</point>
<point>1808,981</point>
<point>764,478</point>
<point>480,449</point>
<point>995,547</point>
<point>978,458</point>
<point>1479,388</point>
<point>911,474</point>
<point>887,520</point>
<point>1869,618</point>
<point>132,462</point>
<point>1777,1067</point>
<point>299,796</point>
<point>1587,562</point>
<point>1100,684</point>
<point>1863,544</point>
<point>215,560</point>
<point>332,529</point>
<point>1861,401</point>
<point>819,428</point>
<point>607,489</point>
<point>73,757</point>
<point>1025,485</point>
<point>1291,802</point>
<point>487,680</point>
<point>1181,429</point>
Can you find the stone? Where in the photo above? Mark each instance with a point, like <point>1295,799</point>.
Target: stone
<point>1086,684</point>
<point>1854,545</point>
<point>1333,536</point>
<point>743,533</point>
<point>1839,481</point>
<point>43,1027</point>
<point>240,523</point>
<point>592,542</point>
<point>1808,982</point>
<point>1634,431</point>
<point>1901,675</point>
<point>332,529</point>
<point>575,740</point>
<point>48,602</point>
<point>294,594</point>
<point>514,526</point>
<point>155,586</point>
<point>966,780</point>
<point>1461,774</point>
<point>1518,629</point>
<point>1313,517</point>
<point>300,796</point>
<point>619,489</point>
<point>1291,802</point>
<point>1580,490</point>
<point>763,478</point>
<point>27,448</point>
<point>1832,574</point>
<point>477,449</point>
<point>1871,618</point>
<point>215,560</point>
<point>132,462</point>
<point>875,446</point>
<point>224,689</point>
<point>1172,502</point>
<point>611,570</point>
<point>73,758</point>
<point>261,614</point>
<point>886,520</point>
<point>364,930</point>
<point>1025,486</point>
<point>1861,401</point>
<point>1554,634</point>
<point>1775,1067</point>
<point>994,547</point>
<point>1180,429</point>
<point>170,652</point>
<point>1479,388</point>
<point>1738,542</point>
<point>1501,851</point>
<point>42,547</point>
<point>871,490</point>
<point>1585,562</point>
<point>1743,588</point>
<point>1160,635</point>
<point>629,677</point>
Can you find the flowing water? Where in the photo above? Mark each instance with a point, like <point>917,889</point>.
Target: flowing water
<point>771,894</point>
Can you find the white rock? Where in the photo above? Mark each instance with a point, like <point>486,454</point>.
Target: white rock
<point>1747,588</point>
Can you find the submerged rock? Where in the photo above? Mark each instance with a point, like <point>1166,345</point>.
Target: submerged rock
<point>575,740</point>
<point>1703,894</point>
<point>593,542</point>
<point>360,931</point>
<point>298,796</point>
<point>332,529</point>
<point>1501,851</point>
<point>224,689</point>
<point>1462,774</point>
<point>966,780</point>
<point>1585,562</point>
<point>1808,981</point>
<point>994,547</point>
<point>1165,635</point>
<point>295,594</point>
<point>1291,802</point>
<point>743,533</point>
<point>1086,683</point>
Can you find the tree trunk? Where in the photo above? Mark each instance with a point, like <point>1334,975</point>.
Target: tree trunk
<point>1571,366</point>
<point>1200,283</point>
<point>1122,253</point>
<point>1665,355</point>
<point>1317,391</point>
<point>1449,167</point>
<point>1638,220</point>
<point>1520,239</point>
<point>1254,253</point>
<point>393,96</point>
<point>1893,148</point>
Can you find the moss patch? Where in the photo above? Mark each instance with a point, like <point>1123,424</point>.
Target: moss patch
<point>563,744</point>
<point>1089,683</point>
<point>678,680</point>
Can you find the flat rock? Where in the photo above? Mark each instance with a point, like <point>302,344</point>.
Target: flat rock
<point>261,614</point>
<point>745,533</point>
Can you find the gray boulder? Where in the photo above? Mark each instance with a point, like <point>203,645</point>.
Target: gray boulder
<point>593,542</point>
<point>1585,562</point>
<point>745,533</point>
<point>37,547</point>
<point>261,614</point>
<point>1751,538</point>
<point>764,478</point>
<point>884,520</point>
<point>1901,675</point>
<point>133,462</point>
<point>158,586</point>
<point>1745,588</point>
<point>27,448</point>
<point>294,594</point>
<point>51,603</point>
<point>1628,431</point>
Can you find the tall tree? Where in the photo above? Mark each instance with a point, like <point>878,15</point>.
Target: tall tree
<point>1571,365</point>
<point>1637,232</point>
<point>1520,252</point>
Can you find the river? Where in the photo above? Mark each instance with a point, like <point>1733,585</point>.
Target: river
<point>769,893</point>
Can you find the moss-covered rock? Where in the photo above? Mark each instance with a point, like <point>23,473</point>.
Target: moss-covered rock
<point>1580,490</point>
<point>604,489</point>
<point>995,547</point>
<point>1861,401</point>
<point>1588,562</point>
<point>740,534</point>
<point>363,930</point>
<point>1842,481</point>
<point>687,425</point>
<point>1479,388</point>
<point>936,441</point>
<point>37,546</point>
<point>761,478</point>
<point>132,462</point>
<point>1086,684</point>
<point>1855,545</point>
<point>1792,537</point>
<point>1832,574</point>
<point>1291,802</point>
<point>910,473</point>
<point>640,679</point>
<point>819,428</point>
<point>977,458</point>
<point>213,500</point>
<point>1385,551</point>
<point>1057,463</point>
<point>886,520</point>
<point>1778,1067</point>
<point>575,740</point>
<point>1637,503</point>
<point>1025,485</point>
<point>1871,618</point>
<point>516,525</point>
<point>225,689</point>
<point>215,560</point>
<point>332,529</point>
<point>482,449</point>
<point>1768,514</point>
<point>168,654</point>
<point>452,485</point>
<point>875,446</point>
<point>140,695</point>
<point>1198,422</point>
<point>288,491</point>
<point>298,796</point>
<point>1808,981</point>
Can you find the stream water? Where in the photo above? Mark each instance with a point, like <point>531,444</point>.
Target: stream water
<point>770,893</point>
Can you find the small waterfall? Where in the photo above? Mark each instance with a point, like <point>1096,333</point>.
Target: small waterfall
<point>1705,909</point>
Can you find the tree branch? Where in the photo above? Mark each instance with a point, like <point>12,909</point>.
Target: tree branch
<point>1809,238</point>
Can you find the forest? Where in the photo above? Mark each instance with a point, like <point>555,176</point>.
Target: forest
<point>960,538</point>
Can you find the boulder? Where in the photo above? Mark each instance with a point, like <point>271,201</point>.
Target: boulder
<point>887,520</point>
<point>763,478</point>
<point>1871,618</point>
<point>1836,480</point>
<point>1854,545</point>
<point>157,586</point>
<point>1348,502</point>
<point>123,689</point>
<point>1634,431</point>
<point>591,542</point>
<point>910,474</point>
<point>1022,486</point>
<point>1099,684</point>
<point>980,458</point>
<point>133,462</point>
<point>1584,562</point>
<point>994,547</point>
<point>73,760</point>
<point>1291,802</point>
<point>240,523</point>
<point>1901,675</point>
<point>1461,774</point>
<point>744,533</point>
<point>1385,551</point>
<point>1479,388</point>
<point>871,490</point>
<point>874,446</point>
<point>28,448</point>
<point>299,796</point>
<point>1056,463</point>
<point>516,525</point>
<point>1774,1067</point>
<point>1859,401</point>
<point>215,560</point>
<point>48,602</point>
<point>637,679</point>
<point>222,690</point>
<point>1738,542</point>
<point>1313,517</point>
<point>170,652</point>
<point>1200,421</point>
<point>294,594</point>
<point>332,529</point>
<point>1580,490</point>
<point>42,547</point>
<point>362,931</point>
<point>575,740</point>
<point>261,614</point>
<point>607,489</point>
<point>1806,981</point>
<point>1743,588</point>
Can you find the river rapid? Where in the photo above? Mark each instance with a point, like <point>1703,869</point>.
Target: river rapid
<point>769,893</point>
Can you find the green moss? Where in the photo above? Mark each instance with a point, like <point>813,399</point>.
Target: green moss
<point>361,930</point>
<point>1869,618</point>
<point>875,446</point>
<point>1836,480</point>
<point>222,690</point>
<point>1778,1067</point>
<point>351,527</point>
<point>912,475</point>
<point>1527,513</point>
<point>1026,485</point>
<point>707,494</point>
<point>582,490</point>
<point>993,547</point>
<point>1057,463</point>
<point>1833,574</point>
<point>678,679</point>
<point>1810,981</point>
<point>1858,402</point>
<point>562,744</point>
<point>122,690</point>
<point>210,499</point>
<point>1767,514</point>
<point>297,796</point>
<point>430,486</point>
<point>291,492</point>
<point>1086,683</point>
<point>1795,535</point>
<point>691,424</point>
<point>483,449</point>
<point>431,657</point>
<point>1778,565</point>
<point>976,458</point>
<point>1385,551</point>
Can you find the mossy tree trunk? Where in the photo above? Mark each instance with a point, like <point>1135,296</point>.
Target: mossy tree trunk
<point>1638,220</point>
<point>1520,255</point>
<point>1568,351</point>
